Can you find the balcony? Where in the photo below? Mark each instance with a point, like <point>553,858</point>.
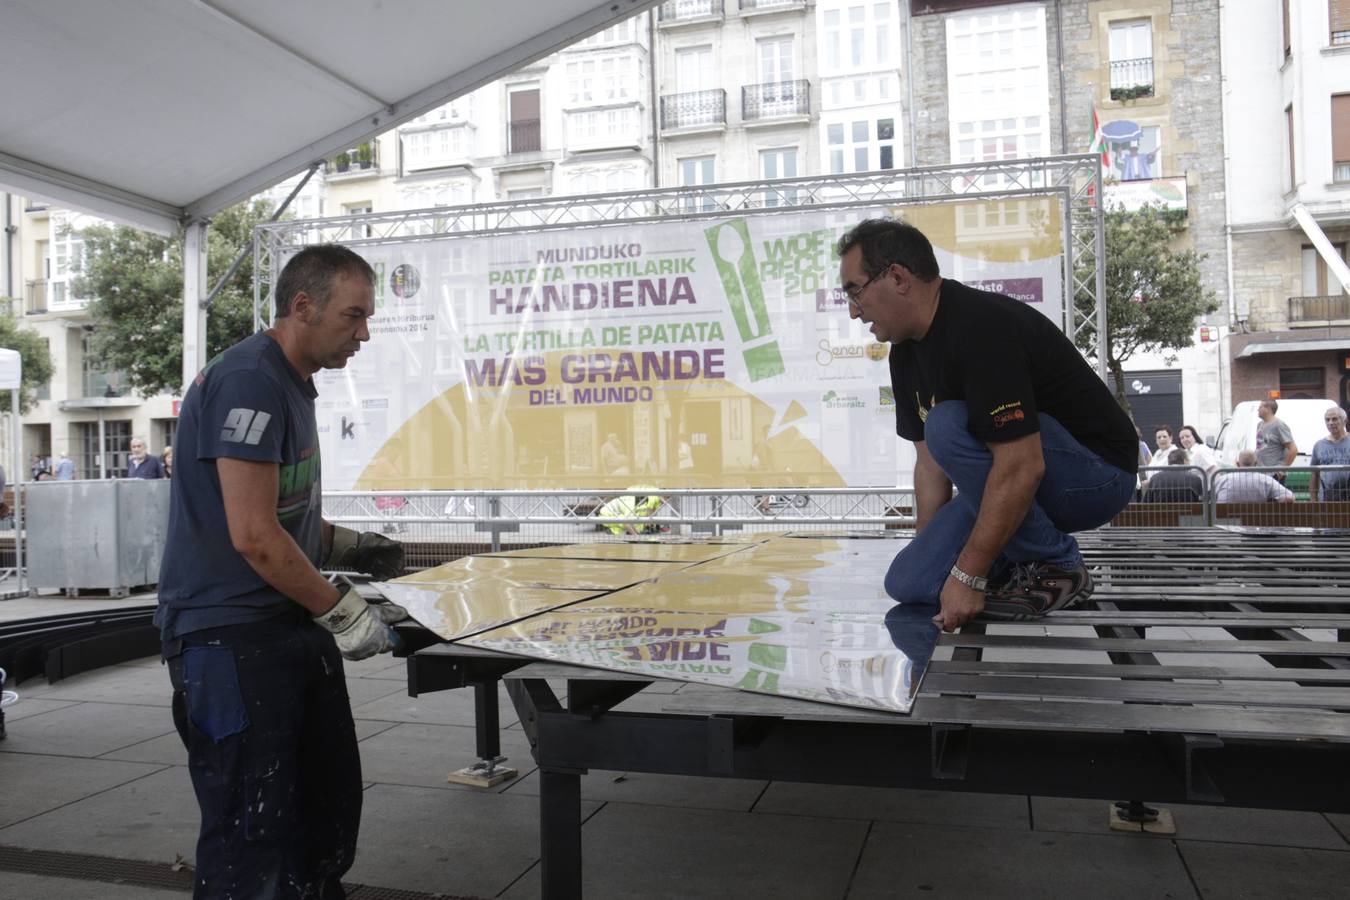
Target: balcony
<point>693,109</point>
<point>687,10</point>
<point>1131,78</point>
<point>522,136</point>
<point>41,296</point>
<point>754,6</point>
<point>363,158</point>
<point>1319,310</point>
<point>775,100</point>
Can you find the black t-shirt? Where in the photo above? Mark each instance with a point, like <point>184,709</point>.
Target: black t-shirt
<point>248,403</point>
<point>1009,363</point>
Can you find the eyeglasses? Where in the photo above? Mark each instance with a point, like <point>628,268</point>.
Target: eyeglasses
<point>854,294</point>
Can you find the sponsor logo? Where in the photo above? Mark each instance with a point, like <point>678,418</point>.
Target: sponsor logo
<point>348,432</point>
<point>833,400</point>
<point>886,397</point>
<point>405,281</point>
<point>1027,290</point>
<point>375,403</point>
<point>830,299</point>
<point>1007,412</point>
<point>828,352</point>
<point>244,426</point>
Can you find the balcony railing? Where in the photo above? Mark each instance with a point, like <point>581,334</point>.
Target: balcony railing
<point>361,158</point>
<point>693,108</point>
<point>42,295</point>
<point>774,99</point>
<point>679,10</point>
<point>1131,78</point>
<point>769,4</point>
<point>1319,309</point>
<point>523,136</point>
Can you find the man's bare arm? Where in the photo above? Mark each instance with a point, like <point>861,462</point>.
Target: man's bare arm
<point>1013,479</point>
<point>250,493</point>
<point>1290,452</point>
<point>931,487</point>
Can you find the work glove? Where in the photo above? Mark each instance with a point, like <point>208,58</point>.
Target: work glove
<point>361,629</point>
<point>368,552</point>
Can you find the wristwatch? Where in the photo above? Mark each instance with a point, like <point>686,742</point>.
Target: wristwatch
<point>979,584</point>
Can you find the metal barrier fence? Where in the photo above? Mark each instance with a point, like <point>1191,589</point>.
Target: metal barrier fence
<point>1256,496</point>
<point>437,526</point>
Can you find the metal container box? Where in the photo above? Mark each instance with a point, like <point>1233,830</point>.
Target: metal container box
<point>96,535</point>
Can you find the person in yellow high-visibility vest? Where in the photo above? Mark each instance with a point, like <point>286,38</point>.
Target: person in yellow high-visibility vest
<point>629,506</point>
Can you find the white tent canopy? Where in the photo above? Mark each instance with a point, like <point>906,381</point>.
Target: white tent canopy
<point>157,113</point>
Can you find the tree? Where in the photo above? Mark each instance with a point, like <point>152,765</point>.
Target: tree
<point>1154,292</point>
<point>35,357</point>
<point>136,280</point>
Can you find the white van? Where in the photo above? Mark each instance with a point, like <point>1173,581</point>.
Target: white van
<point>1305,419</point>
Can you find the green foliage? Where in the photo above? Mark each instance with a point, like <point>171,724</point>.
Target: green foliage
<point>1154,292</point>
<point>136,279</point>
<point>34,354</point>
<point>1132,93</point>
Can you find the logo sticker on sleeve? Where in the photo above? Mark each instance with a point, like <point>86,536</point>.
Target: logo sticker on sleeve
<point>1007,412</point>
<point>245,426</point>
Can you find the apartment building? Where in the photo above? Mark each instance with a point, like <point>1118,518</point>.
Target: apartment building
<point>1287,106</point>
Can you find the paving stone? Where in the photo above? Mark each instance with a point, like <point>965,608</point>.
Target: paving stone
<point>33,706</point>
<point>1237,825</point>
<point>137,685</point>
<point>153,818</point>
<point>422,755</point>
<point>1341,821</point>
<point>145,662</point>
<point>379,666</point>
<point>87,729</point>
<point>933,860</point>
<point>736,794</point>
<point>367,690</point>
<point>167,750</point>
<point>648,852</point>
<point>454,842</point>
<point>896,805</point>
<point>1253,873</point>
<point>34,784</point>
<point>437,708</point>
<point>21,886</point>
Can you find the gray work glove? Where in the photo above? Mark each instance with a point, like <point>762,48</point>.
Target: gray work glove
<point>361,629</point>
<point>368,552</point>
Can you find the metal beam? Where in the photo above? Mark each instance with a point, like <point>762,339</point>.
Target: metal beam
<point>33,179</point>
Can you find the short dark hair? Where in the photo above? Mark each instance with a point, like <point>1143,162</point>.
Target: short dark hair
<point>1272,403</point>
<point>313,271</point>
<point>1166,428</point>
<point>1177,457</point>
<point>886,241</point>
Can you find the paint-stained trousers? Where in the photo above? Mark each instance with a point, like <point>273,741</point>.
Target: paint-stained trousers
<point>263,711</point>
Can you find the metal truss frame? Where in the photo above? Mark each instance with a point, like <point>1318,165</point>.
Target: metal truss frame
<point>1074,180</point>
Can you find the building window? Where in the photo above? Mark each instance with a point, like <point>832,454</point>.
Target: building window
<point>1131,59</point>
<point>97,381</point>
<point>165,434</point>
<point>1289,146</point>
<point>1318,281</point>
<point>775,60</point>
<point>523,120</point>
<point>1340,133</point>
<point>359,229</point>
<point>779,164</point>
<point>1301,384</point>
<point>998,87</point>
<point>116,441</point>
<point>1135,151</point>
<point>695,171</point>
<point>1339,13</point>
<point>694,69</point>
<point>860,145</point>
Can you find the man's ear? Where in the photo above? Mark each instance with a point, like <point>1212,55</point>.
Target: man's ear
<point>303,308</point>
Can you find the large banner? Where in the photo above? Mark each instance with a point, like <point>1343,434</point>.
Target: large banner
<point>696,354</point>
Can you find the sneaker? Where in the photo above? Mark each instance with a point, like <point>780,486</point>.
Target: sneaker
<point>1036,589</point>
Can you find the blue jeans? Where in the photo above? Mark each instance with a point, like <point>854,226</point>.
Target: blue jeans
<point>1079,491</point>
<point>263,711</point>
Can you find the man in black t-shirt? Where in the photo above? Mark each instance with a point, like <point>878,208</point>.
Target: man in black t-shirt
<point>253,634</point>
<point>999,403</point>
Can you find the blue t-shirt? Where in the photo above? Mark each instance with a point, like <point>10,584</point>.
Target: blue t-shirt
<point>1332,485</point>
<point>248,403</point>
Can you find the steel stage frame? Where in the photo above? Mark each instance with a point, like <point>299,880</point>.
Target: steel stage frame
<point>1268,727</point>
<point>1074,180</point>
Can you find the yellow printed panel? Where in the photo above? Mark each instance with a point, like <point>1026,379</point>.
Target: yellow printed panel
<point>802,618</point>
<point>655,550</point>
<point>454,610</point>
<point>557,573</point>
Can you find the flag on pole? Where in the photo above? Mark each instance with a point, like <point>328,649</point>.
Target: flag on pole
<point>1099,140</point>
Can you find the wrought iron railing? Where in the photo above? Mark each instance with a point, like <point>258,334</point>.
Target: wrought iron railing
<point>679,10</point>
<point>363,157</point>
<point>773,99</point>
<point>694,108</point>
<point>1319,309</point>
<point>769,4</point>
<point>523,135</point>
<point>1131,78</point>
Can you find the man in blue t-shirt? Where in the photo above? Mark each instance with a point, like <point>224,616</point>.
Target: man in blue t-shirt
<point>253,634</point>
<point>1333,450</point>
